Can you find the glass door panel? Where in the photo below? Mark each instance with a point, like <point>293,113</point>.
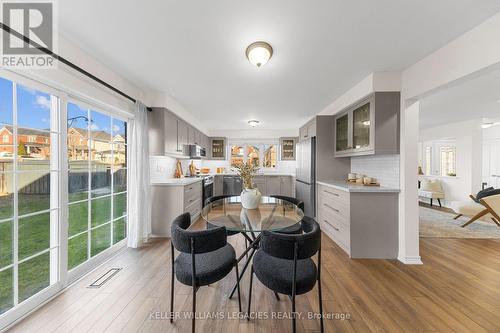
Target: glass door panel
<point>342,133</point>
<point>361,127</point>
<point>29,210</point>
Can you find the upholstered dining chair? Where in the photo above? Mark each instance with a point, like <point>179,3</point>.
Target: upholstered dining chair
<point>296,228</point>
<point>283,264</point>
<point>205,258</point>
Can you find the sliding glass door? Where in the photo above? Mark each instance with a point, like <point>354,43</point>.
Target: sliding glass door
<point>63,191</point>
<point>97,185</point>
<point>29,205</point>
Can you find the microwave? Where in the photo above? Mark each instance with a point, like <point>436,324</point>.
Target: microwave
<point>196,151</point>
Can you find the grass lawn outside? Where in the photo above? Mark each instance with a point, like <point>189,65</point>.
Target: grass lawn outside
<point>34,237</point>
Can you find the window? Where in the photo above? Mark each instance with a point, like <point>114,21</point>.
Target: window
<point>428,161</point>
<point>97,186</point>
<point>439,157</point>
<point>448,161</point>
<point>237,155</point>
<point>5,138</point>
<point>270,156</point>
<point>28,202</point>
<point>260,155</point>
<point>253,155</point>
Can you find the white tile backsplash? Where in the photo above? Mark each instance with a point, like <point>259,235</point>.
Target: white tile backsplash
<point>383,167</point>
<point>163,167</point>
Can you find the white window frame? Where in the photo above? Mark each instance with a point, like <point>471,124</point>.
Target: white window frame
<point>435,146</point>
<point>5,138</point>
<point>260,144</point>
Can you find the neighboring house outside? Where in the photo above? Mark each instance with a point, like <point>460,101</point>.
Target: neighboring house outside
<point>35,144</point>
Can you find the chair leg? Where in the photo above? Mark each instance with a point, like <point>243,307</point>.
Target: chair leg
<point>172,289</point>
<point>476,217</point>
<point>431,202</point>
<point>496,222</point>
<point>238,285</point>
<point>277,296</point>
<point>456,217</point>
<point>194,310</point>
<point>439,201</point>
<point>250,293</point>
<point>294,323</point>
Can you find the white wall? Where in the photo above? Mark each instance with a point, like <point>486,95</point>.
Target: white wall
<point>380,81</point>
<point>69,80</point>
<point>467,137</point>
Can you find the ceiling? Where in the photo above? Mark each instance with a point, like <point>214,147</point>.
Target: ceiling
<point>194,50</point>
<point>474,99</point>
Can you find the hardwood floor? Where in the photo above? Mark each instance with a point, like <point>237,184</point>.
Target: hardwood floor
<point>456,290</point>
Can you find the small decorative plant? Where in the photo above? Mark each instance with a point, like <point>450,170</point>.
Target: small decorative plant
<point>246,171</point>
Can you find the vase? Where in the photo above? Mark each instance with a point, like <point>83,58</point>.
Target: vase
<point>250,198</point>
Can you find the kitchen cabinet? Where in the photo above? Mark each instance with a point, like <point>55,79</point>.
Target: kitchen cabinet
<point>363,224</point>
<point>171,200</point>
<point>218,185</point>
<point>260,183</point>
<point>273,185</point>
<point>287,146</point>
<point>218,148</point>
<point>279,185</point>
<point>286,186</point>
<point>170,134</point>
<point>182,135</point>
<point>370,126</point>
<point>308,130</point>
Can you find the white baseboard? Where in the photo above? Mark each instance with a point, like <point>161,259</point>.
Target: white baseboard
<point>411,260</point>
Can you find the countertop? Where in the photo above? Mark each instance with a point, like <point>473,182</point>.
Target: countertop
<point>349,187</point>
<point>257,175</point>
<point>177,181</point>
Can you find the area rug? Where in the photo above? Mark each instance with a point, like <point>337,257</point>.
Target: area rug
<point>439,224</point>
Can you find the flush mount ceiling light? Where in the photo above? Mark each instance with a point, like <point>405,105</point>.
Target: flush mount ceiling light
<point>253,123</point>
<point>259,53</point>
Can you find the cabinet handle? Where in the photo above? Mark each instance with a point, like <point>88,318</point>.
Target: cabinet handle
<point>337,229</point>
<point>335,194</point>
<point>327,205</point>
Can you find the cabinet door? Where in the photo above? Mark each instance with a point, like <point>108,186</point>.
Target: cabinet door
<point>342,133</point>
<point>218,149</point>
<point>260,183</point>
<point>273,185</point>
<point>170,136</point>
<point>288,149</point>
<point>361,127</point>
<point>218,186</point>
<point>303,133</point>
<point>182,135</point>
<point>286,186</point>
<point>190,135</point>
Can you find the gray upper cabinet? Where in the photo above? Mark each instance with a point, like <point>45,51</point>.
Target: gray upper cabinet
<point>218,148</point>
<point>370,126</point>
<point>182,135</point>
<point>287,146</point>
<point>170,135</point>
<point>308,130</point>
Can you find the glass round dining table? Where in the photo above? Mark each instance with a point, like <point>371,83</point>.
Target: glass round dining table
<point>272,214</point>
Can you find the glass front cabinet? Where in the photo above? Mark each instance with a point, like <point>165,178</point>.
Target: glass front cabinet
<point>288,149</point>
<point>355,129</point>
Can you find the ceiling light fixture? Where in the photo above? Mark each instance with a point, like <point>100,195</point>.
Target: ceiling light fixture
<point>486,125</point>
<point>253,123</point>
<point>259,53</point>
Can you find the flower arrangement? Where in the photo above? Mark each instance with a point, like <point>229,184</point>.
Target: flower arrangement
<point>246,171</point>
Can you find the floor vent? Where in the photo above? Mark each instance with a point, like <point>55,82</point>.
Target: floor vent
<point>104,278</point>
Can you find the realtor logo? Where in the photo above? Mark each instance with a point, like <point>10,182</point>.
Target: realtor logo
<point>35,20</point>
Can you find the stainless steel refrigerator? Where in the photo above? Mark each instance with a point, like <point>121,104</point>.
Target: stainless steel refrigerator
<point>305,184</point>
